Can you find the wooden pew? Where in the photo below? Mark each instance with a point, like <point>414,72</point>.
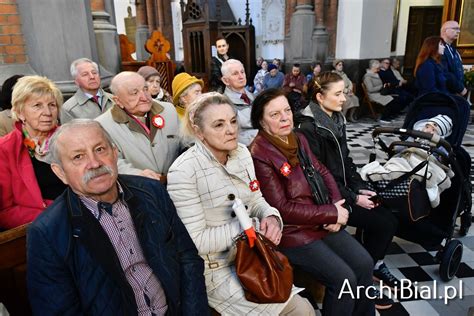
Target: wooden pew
<point>13,292</point>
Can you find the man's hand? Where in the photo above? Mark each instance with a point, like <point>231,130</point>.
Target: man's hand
<point>270,228</point>
<point>150,174</point>
<point>463,92</point>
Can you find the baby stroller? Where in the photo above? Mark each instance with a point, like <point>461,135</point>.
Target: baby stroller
<point>423,224</point>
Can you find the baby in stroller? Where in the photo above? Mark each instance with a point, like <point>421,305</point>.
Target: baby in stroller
<point>436,173</point>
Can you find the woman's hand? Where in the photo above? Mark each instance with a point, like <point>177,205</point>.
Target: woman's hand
<point>365,202</point>
<point>342,213</point>
<point>363,199</point>
<point>270,228</point>
<point>333,228</point>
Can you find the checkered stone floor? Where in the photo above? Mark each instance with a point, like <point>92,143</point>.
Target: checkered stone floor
<point>408,260</point>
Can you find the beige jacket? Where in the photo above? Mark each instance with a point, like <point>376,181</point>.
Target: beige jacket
<point>374,85</point>
<point>200,188</point>
<point>6,122</point>
<point>80,106</point>
<point>137,149</point>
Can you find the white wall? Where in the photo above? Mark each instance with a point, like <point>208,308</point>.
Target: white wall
<point>364,28</point>
<point>268,51</point>
<point>121,13</point>
<point>349,29</point>
<point>403,20</point>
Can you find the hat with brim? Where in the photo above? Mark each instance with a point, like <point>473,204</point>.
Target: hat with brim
<point>181,82</point>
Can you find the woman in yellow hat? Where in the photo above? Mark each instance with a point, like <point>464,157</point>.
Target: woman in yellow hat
<point>185,89</point>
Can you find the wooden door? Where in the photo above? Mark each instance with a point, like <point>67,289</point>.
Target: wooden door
<point>422,23</point>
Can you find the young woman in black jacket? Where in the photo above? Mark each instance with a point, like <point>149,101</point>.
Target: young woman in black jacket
<point>325,128</point>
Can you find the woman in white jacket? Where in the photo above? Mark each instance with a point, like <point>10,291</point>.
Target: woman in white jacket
<point>203,182</point>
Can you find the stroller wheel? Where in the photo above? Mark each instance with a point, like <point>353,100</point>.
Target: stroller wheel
<point>450,260</point>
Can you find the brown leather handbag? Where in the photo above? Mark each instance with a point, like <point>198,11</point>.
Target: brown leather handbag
<point>264,272</point>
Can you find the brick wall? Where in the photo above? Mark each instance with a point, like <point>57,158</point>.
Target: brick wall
<point>12,44</point>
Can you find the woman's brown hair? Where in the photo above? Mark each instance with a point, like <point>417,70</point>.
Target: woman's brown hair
<point>427,50</point>
<point>321,83</point>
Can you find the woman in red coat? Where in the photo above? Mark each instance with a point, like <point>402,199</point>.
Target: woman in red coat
<point>27,183</point>
<point>313,237</point>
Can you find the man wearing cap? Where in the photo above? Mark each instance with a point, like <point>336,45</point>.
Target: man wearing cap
<point>215,82</point>
<point>274,78</point>
<point>233,75</point>
<point>90,100</point>
<point>451,59</point>
<point>146,132</point>
<point>186,88</point>
<point>153,79</point>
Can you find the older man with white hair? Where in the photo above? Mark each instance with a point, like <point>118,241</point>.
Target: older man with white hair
<point>90,100</point>
<point>233,76</point>
<point>145,131</point>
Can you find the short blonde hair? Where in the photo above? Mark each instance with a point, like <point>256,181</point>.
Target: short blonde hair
<point>194,112</point>
<point>33,86</point>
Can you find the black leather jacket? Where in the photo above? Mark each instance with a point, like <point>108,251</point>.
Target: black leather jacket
<point>333,153</point>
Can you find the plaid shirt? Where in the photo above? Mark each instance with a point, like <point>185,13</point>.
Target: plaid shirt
<point>117,223</point>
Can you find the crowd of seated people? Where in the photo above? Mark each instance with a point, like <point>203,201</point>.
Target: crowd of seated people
<point>104,179</point>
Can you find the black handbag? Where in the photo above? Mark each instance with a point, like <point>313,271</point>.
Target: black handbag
<point>315,180</point>
<point>418,203</point>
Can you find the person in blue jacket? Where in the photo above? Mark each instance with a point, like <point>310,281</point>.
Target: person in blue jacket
<point>110,244</point>
<point>451,60</point>
<point>429,73</point>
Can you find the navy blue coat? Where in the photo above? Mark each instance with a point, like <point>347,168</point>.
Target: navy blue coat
<point>453,70</point>
<point>430,77</point>
<point>73,268</point>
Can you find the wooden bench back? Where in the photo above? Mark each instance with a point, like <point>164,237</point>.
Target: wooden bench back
<point>13,292</point>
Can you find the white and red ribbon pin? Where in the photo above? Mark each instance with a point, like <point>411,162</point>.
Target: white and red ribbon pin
<point>254,185</point>
<point>285,169</point>
<point>158,121</point>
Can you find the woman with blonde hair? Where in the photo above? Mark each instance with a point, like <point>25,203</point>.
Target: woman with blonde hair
<point>203,184</point>
<point>28,185</point>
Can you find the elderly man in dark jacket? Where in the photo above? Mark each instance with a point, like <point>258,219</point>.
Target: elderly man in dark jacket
<point>109,245</point>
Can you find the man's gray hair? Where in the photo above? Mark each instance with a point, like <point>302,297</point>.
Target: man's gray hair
<point>373,62</point>
<point>226,65</point>
<point>54,155</point>
<point>79,61</point>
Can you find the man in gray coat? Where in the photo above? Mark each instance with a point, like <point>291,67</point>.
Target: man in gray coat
<point>146,132</point>
<point>233,76</point>
<point>90,100</point>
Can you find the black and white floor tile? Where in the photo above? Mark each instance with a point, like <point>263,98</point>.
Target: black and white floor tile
<point>410,261</point>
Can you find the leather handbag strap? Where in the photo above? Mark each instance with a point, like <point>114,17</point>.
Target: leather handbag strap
<point>315,181</point>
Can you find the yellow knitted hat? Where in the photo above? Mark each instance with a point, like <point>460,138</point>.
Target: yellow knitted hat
<point>181,82</point>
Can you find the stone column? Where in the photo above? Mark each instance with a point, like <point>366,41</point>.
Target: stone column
<point>151,15</point>
<point>142,33</point>
<point>299,46</point>
<point>108,48</point>
<point>331,18</point>
<point>320,36</point>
